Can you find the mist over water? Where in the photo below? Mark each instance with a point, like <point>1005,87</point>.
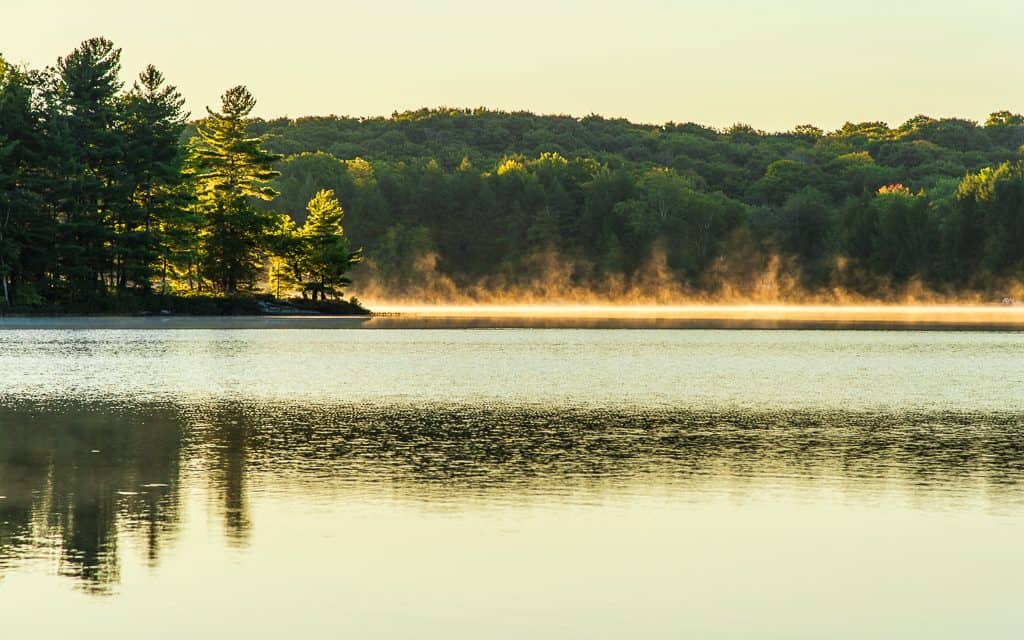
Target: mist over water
<point>548,278</point>
<point>551,291</point>
<point>701,316</point>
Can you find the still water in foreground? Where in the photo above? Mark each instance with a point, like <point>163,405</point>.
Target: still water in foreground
<point>512,483</point>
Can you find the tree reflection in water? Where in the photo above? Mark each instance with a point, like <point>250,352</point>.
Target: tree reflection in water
<point>79,477</point>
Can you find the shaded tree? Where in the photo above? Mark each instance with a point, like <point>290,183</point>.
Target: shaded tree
<point>84,157</point>
<point>153,122</point>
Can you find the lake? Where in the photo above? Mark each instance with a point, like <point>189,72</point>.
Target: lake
<point>510,483</point>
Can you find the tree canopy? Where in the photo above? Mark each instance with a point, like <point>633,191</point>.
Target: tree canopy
<point>108,193</point>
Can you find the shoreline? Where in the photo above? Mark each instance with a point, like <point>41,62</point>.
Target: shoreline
<point>865,317</point>
<point>114,322</point>
<point>994,317</point>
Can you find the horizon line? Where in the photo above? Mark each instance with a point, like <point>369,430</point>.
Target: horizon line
<point>470,111</point>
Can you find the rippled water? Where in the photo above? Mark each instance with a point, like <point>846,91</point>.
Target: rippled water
<point>511,483</point>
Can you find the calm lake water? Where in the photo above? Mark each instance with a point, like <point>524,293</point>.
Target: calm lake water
<point>511,483</point>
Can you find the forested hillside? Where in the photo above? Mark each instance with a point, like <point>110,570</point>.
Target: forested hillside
<point>554,205</point>
<point>110,192</point>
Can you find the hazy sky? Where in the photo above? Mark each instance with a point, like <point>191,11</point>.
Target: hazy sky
<point>770,63</point>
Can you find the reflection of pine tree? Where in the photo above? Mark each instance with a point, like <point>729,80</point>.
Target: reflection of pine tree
<point>89,525</point>
<point>75,478</point>
<point>231,449</point>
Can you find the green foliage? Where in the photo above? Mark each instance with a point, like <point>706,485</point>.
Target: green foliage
<point>231,170</point>
<point>324,250</point>
<point>992,218</point>
<point>404,258</point>
<point>86,147</point>
<point>803,223</point>
<point>27,231</point>
<point>616,192</point>
<point>905,233</point>
<point>102,204</point>
<point>151,226</point>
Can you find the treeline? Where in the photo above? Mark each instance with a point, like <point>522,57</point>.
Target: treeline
<point>108,194</point>
<point>105,202</point>
<point>473,197</point>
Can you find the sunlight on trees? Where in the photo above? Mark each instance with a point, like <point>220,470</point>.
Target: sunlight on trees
<point>103,204</point>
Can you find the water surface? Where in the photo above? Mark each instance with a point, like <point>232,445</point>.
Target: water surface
<point>510,483</point>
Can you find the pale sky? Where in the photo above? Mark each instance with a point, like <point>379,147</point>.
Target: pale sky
<point>770,63</point>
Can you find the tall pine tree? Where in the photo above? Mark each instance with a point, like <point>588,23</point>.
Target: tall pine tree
<point>86,147</point>
<point>325,247</point>
<point>231,173</point>
<point>26,227</point>
<point>153,123</point>
<point>9,247</point>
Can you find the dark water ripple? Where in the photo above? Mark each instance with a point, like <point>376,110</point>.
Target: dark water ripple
<point>77,477</point>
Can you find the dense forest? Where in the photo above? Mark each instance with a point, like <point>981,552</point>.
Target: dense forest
<point>107,205</point>
<point>108,194</point>
<point>489,205</point>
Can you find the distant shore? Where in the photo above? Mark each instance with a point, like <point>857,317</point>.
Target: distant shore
<point>887,317</point>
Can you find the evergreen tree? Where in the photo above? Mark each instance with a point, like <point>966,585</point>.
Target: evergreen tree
<point>326,252</point>
<point>231,172</point>
<point>285,265</point>
<point>26,229</point>
<point>153,124</point>
<point>86,151</point>
<point>9,248</point>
